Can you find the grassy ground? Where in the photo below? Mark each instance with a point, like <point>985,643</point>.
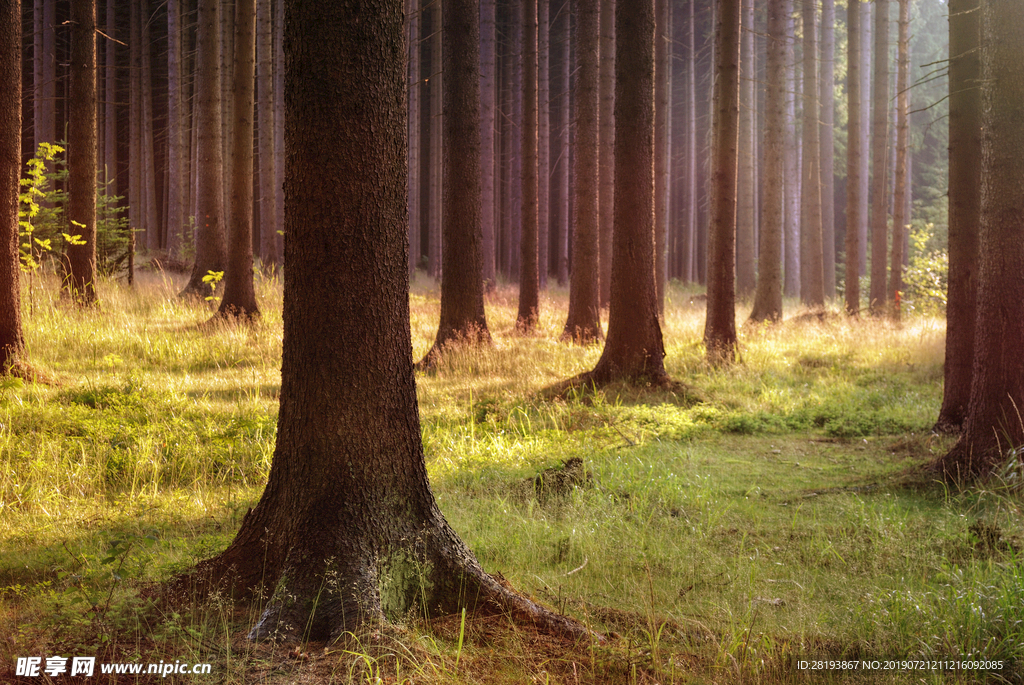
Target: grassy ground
<point>777,511</point>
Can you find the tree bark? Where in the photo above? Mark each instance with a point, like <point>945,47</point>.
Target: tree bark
<point>993,424</point>
<point>662,100</point>
<point>152,214</point>
<point>347,530</point>
<point>413,13</point>
<point>812,286</point>
<point>462,284</point>
<point>899,214</point>
<point>279,120</point>
<point>269,256</point>
<point>209,231</point>
<point>487,92</point>
<point>81,209</point>
<point>879,167</point>
<point>239,300</point>
<point>720,325</point>
<point>529,278</point>
<point>606,172</point>
<point>543,141</point>
<point>110,113</point>
<point>827,80</point>
<point>768,300</point>
<point>176,154</point>
<point>746,276</point>
<point>791,252</point>
<point>583,324</point>
<point>856,165</point>
<point>12,341</point>
<point>560,26</point>
<point>965,129</point>
<point>434,245</point>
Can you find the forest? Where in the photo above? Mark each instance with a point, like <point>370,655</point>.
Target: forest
<point>511,341</point>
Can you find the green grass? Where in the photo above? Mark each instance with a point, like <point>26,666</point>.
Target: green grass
<point>775,509</point>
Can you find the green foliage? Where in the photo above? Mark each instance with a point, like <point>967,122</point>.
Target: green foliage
<point>212,279</point>
<point>925,279</point>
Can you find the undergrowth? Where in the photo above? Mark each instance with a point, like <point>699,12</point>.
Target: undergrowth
<point>768,512</point>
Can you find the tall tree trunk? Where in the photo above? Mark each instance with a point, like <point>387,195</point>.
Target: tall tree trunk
<point>606,172</point>
<point>45,71</point>
<point>791,234</point>
<point>462,284</point>
<point>856,165</point>
<point>633,349</point>
<point>110,113</point>
<point>812,287</point>
<point>746,279</point>
<point>720,326</point>
<point>993,423</point>
<point>81,208</point>
<point>866,46</point>
<point>136,196</point>
<point>269,256</point>
<point>899,214</point>
<point>348,498</point>
<point>662,100</point>
<point>827,80</point>
<point>487,92</point>
<point>227,53</point>
<point>12,341</point>
<point>879,151</point>
<point>279,120</point>
<point>560,28</point>
<point>435,245</point>
<point>583,324</point>
<point>412,20</point>
<point>543,141</point>
<point>149,197</point>
<point>965,179</point>
<point>209,230</point>
<point>768,300</point>
<point>239,301</point>
<point>529,279</point>
<point>690,189</point>
<point>176,155</point>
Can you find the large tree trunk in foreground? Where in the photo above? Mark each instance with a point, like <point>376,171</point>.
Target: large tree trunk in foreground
<point>347,530</point>
<point>209,229</point>
<point>633,350</point>
<point>720,325</point>
<point>964,209</point>
<point>462,281</point>
<point>768,300</point>
<point>239,299</point>
<point>81,210</point>
<point>12,343</point>
<point>994,424</point>
<point>583,324</point>
<point>529,278</point>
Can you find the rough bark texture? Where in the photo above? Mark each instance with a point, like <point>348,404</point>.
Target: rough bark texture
<point>12,343</point>
<point>690,167</point>
<point>791,231</point>
<point>634,349</point>
<point>543,141</point>
<point>965,108</point>
<point>879,149</point>
<point>279,119</point>
<point>239,301</point>
<point>768,300</point>
<point>560,36</point>
<point>270,258</point>
<point>80,278</point>
<point>606,143</point>
<point>901,193</point>
<point>856,165</point>
<point>529,278</point>
<point>487,90</point>
<point>662,99</point>
<point>827,81</point>
<point>583,324</point>
<point>415,202</point>
<point>720,326</point>
<point>110,113</point>
<point>151,211</point>
<point>176,151</point>
<point>434,244</point>
<point>812,274</point>
<point>746,276</point>
<point>209,228</point>
<point>994,422</point>
<point>347,530</point>
<point>462,283</point>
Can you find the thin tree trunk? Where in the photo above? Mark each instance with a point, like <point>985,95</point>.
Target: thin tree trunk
<point>12,341</point>
<point>149,199</point>
<point>690,191</point>
<point>209,234</point>
<point>768,300</point>
<point>177,178</point>
<point>827,100</point>
<point>81,207</point>
<point>279,121</point>
<point>791,285</point>
<point>543,142</point>
<point>606,144</point>
<point>561,36</point>
<point>529,279</point>
<point>136,195</point>
<point>227,52</point>
<point>434,245</point>
<point>583,324</point>
<point>812,290</point>
<point>720,325</point>
<point>662,100</point>
<point>879,151</point>
<point>239,301</point>
<point>866,46</point>
<point>746,279</point>
<point>487,92</point>
<point>110,114</point>
<point>965,179</point>
<point>269,256</point>
<point>856,166</point>
<point>899,216</point>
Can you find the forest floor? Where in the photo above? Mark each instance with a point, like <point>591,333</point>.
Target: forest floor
<point>775,513</point>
